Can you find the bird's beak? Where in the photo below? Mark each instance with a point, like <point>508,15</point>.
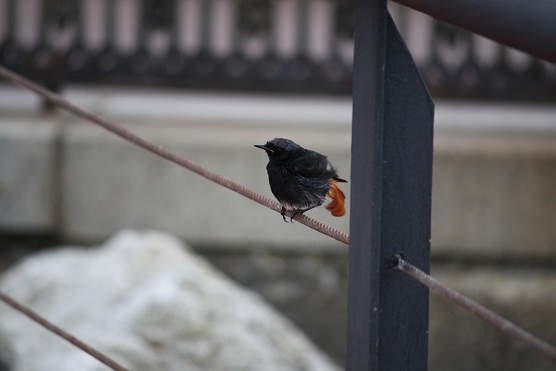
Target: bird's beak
<point>262,146</point>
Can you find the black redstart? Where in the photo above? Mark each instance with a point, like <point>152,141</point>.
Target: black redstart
<point>301,179</point>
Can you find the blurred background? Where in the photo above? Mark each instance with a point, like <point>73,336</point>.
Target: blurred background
<point>209,79</point>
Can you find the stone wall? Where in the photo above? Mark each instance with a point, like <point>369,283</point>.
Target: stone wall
<point>494,203</point>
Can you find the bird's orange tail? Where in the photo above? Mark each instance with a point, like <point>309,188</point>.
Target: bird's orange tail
<point>336,206</point>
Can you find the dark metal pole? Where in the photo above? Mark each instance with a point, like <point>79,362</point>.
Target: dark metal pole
<point>391,179</point>
<point>528,25</point>
<point>366,183</point>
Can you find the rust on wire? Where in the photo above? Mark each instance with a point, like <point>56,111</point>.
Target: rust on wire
<point>126,134</point>
<point>504,325</point>
<point>62,333</point>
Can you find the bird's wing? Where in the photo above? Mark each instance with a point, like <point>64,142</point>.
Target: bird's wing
<point>312,165</point>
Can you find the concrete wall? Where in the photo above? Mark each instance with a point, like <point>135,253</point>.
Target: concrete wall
<point>494,202</point>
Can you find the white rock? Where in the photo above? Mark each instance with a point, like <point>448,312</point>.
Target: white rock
<point>150,304</point>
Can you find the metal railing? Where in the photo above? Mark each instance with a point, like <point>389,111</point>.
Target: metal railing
<point>276,45</point>
<point>408,343</point>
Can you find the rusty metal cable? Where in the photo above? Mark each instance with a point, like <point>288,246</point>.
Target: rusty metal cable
<point>501,323</point>
<point>130,136</point>
<point>62,333</point>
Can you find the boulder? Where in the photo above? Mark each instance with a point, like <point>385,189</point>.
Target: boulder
<point>149,303</point>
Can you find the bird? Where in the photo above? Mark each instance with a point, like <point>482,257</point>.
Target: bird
<point>302,179</point>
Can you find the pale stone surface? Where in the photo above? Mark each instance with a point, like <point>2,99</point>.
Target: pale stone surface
<point>150,304</point>
<point>28,174</point>
<point>495,197</point>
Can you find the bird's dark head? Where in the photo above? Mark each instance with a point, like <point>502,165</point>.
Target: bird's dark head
<point>279,148</point>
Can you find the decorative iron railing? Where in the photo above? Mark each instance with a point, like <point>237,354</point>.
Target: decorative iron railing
<point>277,45</point>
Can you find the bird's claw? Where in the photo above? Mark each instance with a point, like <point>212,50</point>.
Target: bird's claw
<point>283,213</point>
<point>292,215</point>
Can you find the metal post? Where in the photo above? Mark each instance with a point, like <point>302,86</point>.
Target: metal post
<point>391,180</point>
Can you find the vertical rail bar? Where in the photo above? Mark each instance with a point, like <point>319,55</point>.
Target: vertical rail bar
<point>366,183</point>
<point>391,195</point>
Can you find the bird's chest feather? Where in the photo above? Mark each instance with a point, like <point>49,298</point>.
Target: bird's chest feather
<point>294,190</point>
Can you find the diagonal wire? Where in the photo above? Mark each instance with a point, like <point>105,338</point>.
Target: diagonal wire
<point>504,325</point>
<point>62,333</point>
<point>124,133</point>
